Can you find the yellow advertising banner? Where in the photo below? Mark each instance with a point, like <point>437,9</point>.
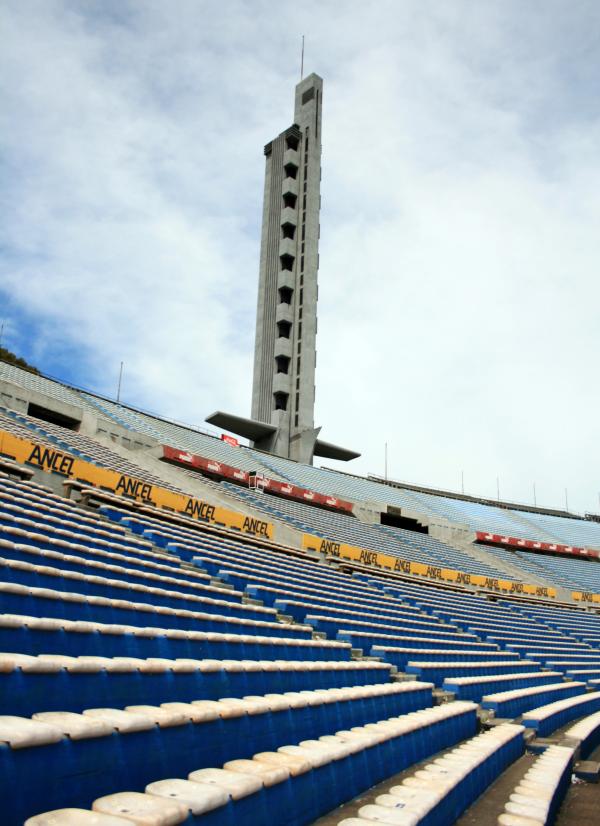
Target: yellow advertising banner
<point>52,460</point>
<point>585,596</point>
<point>405,566</point>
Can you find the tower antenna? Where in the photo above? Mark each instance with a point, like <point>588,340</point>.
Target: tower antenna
<point>302,60</point>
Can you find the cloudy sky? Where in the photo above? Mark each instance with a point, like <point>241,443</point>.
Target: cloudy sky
<point>460,244</point>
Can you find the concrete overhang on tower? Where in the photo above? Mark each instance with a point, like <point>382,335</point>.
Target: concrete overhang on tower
<point>250,429</point>
<point>327,450</point>
<point>261,434</point>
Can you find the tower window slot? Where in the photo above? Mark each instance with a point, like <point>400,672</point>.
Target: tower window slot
<point>285,295</point>
<point>289,200</point>
<point>288,230</point>
<point>291,142</point>
<point>284,328</point>
<point>283,364</point>
<point>281,400</point>
<point>287,261</point>
<point>291,170</point>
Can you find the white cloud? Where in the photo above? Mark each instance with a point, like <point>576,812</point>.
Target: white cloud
<point>458,288</point>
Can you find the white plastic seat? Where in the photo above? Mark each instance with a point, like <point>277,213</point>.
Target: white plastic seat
<point>162,717</point>
<point>269,774</point>
<point>75,817</point>
<point>122,721</point>
<point>75,726</point>
<point>20,732</point>
<point>198,797</point>
<point>383,814</point>
<point>294,764</point>
<point>142,809</point>
<point>236,785</point>
<point>506,819</point>
<point>195,711</point>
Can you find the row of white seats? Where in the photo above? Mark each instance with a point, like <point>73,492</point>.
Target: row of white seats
<point>288,785</point>
<point>20,621</point>
<point>554,715</point>
<point>23,512</point>
<point>514,702</point>
<point>69,540</point>
<point>471,687</point>
<point>52,663</point>
<point>443,789</point>
<point>587,732</point>
<point>536,799</point>
<point>191,591</point>
<point>461,641</point>
<point>16,590</point>
<point>51,726</point>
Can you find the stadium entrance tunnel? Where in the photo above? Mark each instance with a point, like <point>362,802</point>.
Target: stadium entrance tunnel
<point>394,519</point>
<point>52,416</point>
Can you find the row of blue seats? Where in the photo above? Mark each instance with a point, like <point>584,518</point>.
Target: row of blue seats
<point>296,784</point>
<point>54,682</point>
<point>333,622</point>
<point>75,758</point>
<point>401,657</point>
<point>271,588</point>
<point>366,640</point>
<point>190,540</point>
<point>64,577</point>
<point>249,561</point>
<point>54,522</point>
<point>299,608</point>
<point>36,553</point>
<point>440,672</point>
<point>548,718</point>
<point>40,635</point>
<point>267,585</point>
<point>49,510</point>
<point>439,793</point>
<point>47,602</point>
<point>511,704</point>
<point>474,688</point>
<point>587,733</point>
<point>21,513</point>
<point>541,790</point>
<point>76,544</point>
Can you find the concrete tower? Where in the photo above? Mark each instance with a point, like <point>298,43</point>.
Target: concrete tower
<point>285,354</point>
<point>283,392</point>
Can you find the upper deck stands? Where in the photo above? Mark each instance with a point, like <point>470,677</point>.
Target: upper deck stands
<point>394,541</point>
<point>475,515</point>
<point>76,444</point>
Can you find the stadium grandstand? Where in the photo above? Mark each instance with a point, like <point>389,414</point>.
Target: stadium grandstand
<point>199,631</point>
<point>195,631</point>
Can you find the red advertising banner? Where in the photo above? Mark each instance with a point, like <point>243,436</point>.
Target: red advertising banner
<point>530,544</point>
<point>286,489</point>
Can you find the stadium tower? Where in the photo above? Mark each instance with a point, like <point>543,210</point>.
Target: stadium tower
<point>285,353</point>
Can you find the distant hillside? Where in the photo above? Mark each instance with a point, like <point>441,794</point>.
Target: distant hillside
<point>11,358</point>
